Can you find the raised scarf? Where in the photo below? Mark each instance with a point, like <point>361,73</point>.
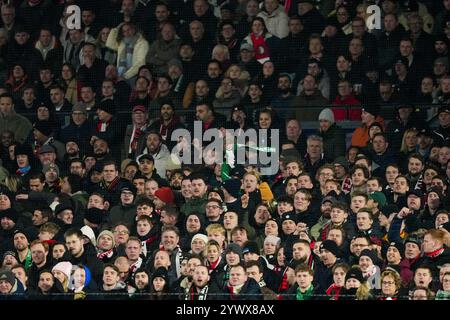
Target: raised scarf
<point>434,253</point>
<point>107,254</point>
<point>262,52</point>
<point>198,295</point>
<point>334,290</point>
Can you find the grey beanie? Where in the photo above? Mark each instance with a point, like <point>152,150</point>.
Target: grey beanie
<point>327,114</point>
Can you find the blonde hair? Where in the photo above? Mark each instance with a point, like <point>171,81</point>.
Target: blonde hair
<point>363,292</point>
<point>222,47</point>
<point>13,182</point>
<point>404,147</point>
<point>253,173</point>
<point>394,275</point>
<point>215,227</point>
<point>50,227</point>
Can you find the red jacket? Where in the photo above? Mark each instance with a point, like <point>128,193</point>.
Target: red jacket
<point>340,114</point>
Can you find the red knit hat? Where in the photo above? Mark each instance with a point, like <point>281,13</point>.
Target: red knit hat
<point>165,194</point>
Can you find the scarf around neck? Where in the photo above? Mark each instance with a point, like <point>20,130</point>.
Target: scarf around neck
<point>306,295</point>
<point>434,253</point>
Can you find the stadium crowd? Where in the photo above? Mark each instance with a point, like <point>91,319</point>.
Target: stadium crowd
<point>98,201</point>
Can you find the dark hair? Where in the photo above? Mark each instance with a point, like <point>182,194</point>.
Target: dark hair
<point>364,170</point>
<point>73,232</point>
<point>263,23</point>
<point>340,205</point>
<point>76,182</point>
<point>110,265</point>
<point>254,264</point>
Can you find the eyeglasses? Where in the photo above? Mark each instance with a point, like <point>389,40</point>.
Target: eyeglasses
<point>120,232</point>
<point>387,283</point>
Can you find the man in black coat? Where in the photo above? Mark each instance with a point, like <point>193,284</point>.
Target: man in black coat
<point>312,19</point>
<point>240,286</point>
<point>202,288</point>
<point>40,261</point>
<point>83,254</point>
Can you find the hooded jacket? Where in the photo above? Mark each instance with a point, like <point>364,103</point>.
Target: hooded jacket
<point>333,142</point>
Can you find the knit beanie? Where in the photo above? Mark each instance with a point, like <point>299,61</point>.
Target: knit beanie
<point>109,234</point>
<point>10,213</point>
<point>94,215</point>
<point>65,267</point>
<point>165,194</point>
<point>44,126</point>
<point>272,239</point>
<point>200,236</point>
<point>88,232</point>
<point>326,114</point>
<point>233,187</point>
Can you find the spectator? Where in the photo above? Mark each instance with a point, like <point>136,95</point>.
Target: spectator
<point>131,49</point>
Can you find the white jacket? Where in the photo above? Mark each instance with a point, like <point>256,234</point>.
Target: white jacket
<point>277,22</point>
<point>139,52</point>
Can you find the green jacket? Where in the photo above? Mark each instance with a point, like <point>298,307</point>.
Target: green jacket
<point>194,206</point>
<point>315,230</point>
<point>16,123</point>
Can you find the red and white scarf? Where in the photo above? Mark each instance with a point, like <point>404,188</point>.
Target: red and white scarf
<point>262,53</point>
<point>434,253</point>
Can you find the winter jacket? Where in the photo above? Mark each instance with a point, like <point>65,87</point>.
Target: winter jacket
<point>140,51</point>
<point>194,206</point>
<point>90,260</point>
<point>304,101</point>
<point>250,291</point>
<point>81,134</point>
<point>16,123</point>
<point>360,136</point>
<point>354,114</point>
<point>209,292</point>
<point>121,213</point>
<point>118,293</point>
<point>276,22</point>
<point>315,294</point>
<point>160,52</point>
<point>333,142</point>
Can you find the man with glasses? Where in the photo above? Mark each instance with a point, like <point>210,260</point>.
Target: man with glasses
<point>214,212</point>
<point>125,211</point>
<point>121,235</point>
<point>227,96</point>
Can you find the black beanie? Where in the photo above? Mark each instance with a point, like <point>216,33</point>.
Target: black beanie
<point>354,273</point>
<point>331,246</point>
<point>10,213</point>
<point>94,215</point>
<point>371,254</point>
<point>44,126</point>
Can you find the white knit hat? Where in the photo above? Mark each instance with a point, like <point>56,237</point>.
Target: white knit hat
<point>200,236</point>
<point>88,232</point>
<point>272,239</point>
<point>327,114</point>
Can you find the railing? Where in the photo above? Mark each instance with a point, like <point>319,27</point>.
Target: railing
<point>308,125</point>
